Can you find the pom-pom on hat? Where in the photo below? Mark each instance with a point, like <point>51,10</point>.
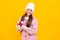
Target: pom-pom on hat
<point>30,5</point>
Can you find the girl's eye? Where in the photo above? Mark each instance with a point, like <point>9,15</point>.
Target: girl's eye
<point>27,9</point>
<point>30,10</point>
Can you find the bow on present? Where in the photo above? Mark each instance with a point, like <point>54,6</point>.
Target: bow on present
<point>20,23</point>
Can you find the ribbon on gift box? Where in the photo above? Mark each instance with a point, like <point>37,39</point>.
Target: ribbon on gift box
<point>20,23</point>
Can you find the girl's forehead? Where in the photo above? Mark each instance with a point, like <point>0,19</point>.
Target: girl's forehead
<point>29,9</point>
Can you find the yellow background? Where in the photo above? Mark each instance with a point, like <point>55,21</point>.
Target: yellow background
<point>47,13</point>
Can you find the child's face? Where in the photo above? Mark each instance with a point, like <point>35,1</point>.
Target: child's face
<point>29,11</point>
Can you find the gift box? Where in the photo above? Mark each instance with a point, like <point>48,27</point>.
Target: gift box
<point>20,23</point>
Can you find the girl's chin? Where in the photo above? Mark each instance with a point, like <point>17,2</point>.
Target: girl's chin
<point>28,14</point>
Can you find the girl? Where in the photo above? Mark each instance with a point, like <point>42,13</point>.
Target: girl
<point>30,26</point>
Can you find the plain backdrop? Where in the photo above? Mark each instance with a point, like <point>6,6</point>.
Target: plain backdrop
<point>47,13</point>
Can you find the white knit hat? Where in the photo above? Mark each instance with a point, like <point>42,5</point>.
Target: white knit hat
<point>30,5</point>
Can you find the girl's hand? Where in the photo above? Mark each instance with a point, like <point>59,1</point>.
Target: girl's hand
<point>19,28</point>
<point>24,27</point>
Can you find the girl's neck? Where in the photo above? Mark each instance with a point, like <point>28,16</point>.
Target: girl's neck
<point>27,15</point>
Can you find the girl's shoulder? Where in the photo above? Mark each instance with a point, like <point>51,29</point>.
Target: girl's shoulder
<point>34,21</point>
<point>34,18</point>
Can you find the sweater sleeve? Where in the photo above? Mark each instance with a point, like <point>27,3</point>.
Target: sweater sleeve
<point>17,26</point>
<point>33,28</point>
